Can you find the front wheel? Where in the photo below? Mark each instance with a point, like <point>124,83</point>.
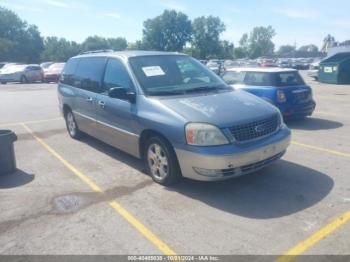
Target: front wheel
<point>161,161</point>
<point>72,126</point>
<point>24,80</point>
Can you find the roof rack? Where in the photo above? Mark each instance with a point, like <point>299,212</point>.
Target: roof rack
<point>97,51</point>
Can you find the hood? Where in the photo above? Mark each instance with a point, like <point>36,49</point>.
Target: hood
<point>223,109</point>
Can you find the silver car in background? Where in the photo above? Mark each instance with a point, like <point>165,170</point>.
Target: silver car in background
<point>21,73</point>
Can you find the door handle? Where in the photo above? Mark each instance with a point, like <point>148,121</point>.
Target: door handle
<point>102,104</point>
<point>89,99</point>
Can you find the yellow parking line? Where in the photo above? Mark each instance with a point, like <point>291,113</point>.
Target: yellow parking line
<point>30,122</point>
<point>322,149</point>
<point>316,237</point>
<point>147,233</point>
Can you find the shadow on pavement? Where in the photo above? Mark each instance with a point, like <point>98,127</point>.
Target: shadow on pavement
<point>115,153</point>
<point>313,123</point>
<point>276,191</point>
<point>17,179</point>
<point>279,190</point>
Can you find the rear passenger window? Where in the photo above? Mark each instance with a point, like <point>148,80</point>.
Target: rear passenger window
<point>67,76</point>
<point>231,77</point>
<point>89,73</point>
<point>116,75</point>
<point>258,79</point>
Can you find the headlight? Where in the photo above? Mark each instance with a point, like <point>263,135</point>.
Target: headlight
<point>200,134</point>
<point>281,119</point>
<point>281,96</point>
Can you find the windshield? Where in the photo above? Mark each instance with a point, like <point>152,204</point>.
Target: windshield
<point>173,74</point>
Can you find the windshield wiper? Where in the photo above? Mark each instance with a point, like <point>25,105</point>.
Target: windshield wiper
<point>206,88</point>
<point>167,93</point>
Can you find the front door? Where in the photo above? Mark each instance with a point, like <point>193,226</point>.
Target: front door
<point>116,118</point>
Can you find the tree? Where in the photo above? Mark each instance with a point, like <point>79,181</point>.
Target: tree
<point>94,43</point>
<point>59,49</point>
<point>117,44</point>
<point>286,51</point>
<point>239,52</point>
<point>138,45</point>
<point>168,32</point>
<point>19,42</point>
<point>100,43</point>
<point>260,41</point>
<point>226,51</point>
<point>206,36</point>
<point>308,48</point>
<point>345,43</point>
<point>328,42</point>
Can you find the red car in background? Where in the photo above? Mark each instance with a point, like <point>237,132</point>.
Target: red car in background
<point>52,74</point>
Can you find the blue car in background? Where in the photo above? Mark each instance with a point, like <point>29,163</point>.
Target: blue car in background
<point>283,88</point>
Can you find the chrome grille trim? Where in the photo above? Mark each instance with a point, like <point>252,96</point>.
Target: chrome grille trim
<point>255,130</point>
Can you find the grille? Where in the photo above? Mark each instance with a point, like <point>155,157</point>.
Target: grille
<point>254,130</point>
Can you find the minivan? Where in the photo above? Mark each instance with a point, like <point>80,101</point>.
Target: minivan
<point>171,111</point>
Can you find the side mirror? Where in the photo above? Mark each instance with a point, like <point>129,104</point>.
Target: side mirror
<point>122,93</point>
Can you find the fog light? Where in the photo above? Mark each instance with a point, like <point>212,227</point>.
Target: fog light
<point>207,172</point>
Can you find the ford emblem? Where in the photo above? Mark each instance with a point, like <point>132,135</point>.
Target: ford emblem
<point>260,128</point>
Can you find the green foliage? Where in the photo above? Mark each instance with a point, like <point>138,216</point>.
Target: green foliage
<point>239,52</point>
<point>59,50</point>
<point>226,50</point>
<point>100,43</point>
<point>206,36</point>
<point>286,51</point>
<point>19,42</point>
<point>345,43</point>
<point>260,41</point>
<point>117,44</point>
<point>138,45</point>
<point>308,48</point>
<point>168,32</point>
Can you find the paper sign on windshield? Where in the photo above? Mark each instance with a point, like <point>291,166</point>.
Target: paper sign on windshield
<point>153,71</point>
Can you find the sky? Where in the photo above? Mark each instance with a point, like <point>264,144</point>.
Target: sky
<point>297,22</point>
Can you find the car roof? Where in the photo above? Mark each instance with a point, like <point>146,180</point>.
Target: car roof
<point>261,69</point>
<point>126,54</point>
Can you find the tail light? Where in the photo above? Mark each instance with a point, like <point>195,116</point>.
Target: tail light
<point>281,96</point>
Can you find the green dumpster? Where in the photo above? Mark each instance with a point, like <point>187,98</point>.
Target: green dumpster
<point>335,69</point>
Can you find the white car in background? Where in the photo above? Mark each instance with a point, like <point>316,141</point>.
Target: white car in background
<point>21,73</point>
<point>313,71</point>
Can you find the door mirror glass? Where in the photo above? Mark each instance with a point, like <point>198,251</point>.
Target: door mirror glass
<point>122,93</point>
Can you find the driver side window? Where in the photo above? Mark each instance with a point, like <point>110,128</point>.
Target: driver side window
<point>116,75</point>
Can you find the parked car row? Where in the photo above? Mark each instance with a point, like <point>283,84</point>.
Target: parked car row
<point>29,73</point>
<point>220,66</point>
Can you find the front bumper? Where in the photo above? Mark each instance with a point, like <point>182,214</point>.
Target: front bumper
<point>210,166</point>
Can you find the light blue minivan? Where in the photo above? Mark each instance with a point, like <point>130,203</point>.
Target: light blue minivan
<point>171,111</point>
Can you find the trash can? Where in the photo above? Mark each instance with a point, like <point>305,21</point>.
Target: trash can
<point>7,152</point>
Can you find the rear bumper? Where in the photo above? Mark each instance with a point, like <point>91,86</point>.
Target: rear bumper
<point>208,166</point>
<point>301,110</point>
<point>51,78</point>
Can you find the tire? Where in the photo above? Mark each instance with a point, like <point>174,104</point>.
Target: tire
<point>72,126</point>
<point>24,80</point>
<point>161,165</point>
